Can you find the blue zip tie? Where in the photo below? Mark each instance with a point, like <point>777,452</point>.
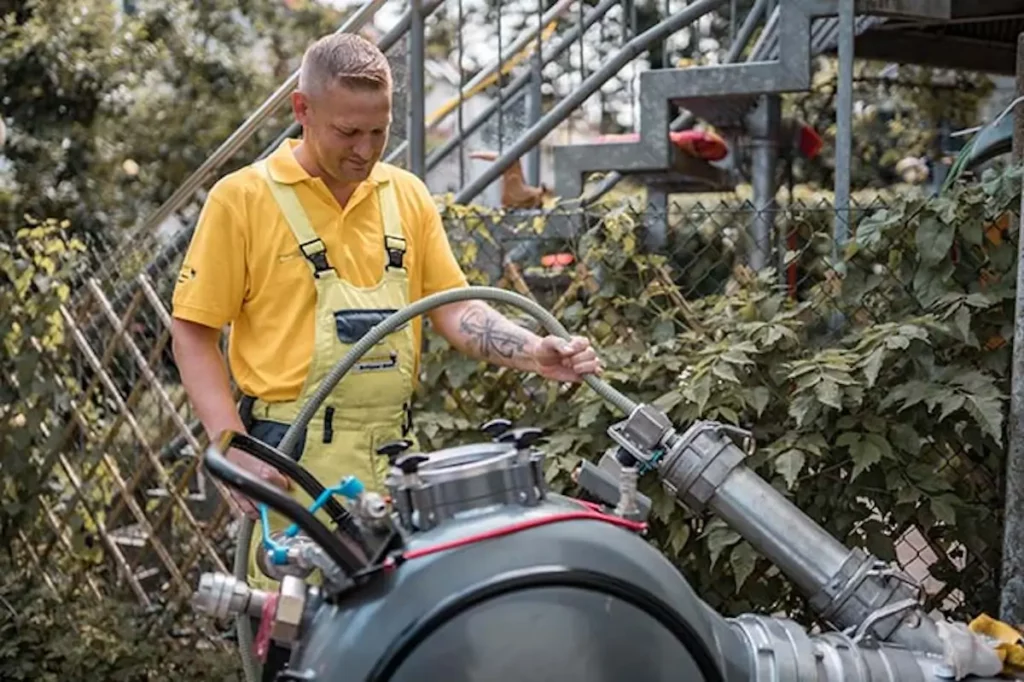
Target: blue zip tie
<point>649,466</point>
<point>278,552</point>
<point>350,487</point>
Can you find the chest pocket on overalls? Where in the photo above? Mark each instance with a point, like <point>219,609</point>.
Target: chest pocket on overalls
<point>352,325</point>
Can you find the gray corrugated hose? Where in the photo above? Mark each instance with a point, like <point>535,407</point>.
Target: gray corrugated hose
<point>249,665</point>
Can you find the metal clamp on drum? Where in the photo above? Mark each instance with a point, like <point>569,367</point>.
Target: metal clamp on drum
<point>428,490</point>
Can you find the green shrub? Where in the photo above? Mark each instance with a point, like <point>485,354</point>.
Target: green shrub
<point>877,401</point>
<point>71,636</point>
<point>53,625</point>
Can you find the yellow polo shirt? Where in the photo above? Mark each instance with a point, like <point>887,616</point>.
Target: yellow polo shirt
<point>244,268</point>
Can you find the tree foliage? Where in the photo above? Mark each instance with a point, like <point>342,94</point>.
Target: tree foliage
<point>900,112</point>
<point>109,111</point>
<point>877,400</point>
<point>52,627</point>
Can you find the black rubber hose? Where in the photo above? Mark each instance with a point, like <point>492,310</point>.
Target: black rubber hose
<point>537,577</point>
<point>296,472</point>
<point>255,489</point>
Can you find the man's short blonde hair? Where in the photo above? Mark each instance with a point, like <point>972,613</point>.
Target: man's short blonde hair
<point>344,59</point>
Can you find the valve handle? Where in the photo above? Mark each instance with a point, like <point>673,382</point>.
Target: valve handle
<point>393,449</point>
<point>410,464</point>
<point>496,427</point>
<point>261,492</point>
<point>523,438</point>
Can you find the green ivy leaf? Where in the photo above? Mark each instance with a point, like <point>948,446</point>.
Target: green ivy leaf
<point>873,365</point>
<point>931,283</point>
<point>729,415</point>
<point>720,538</point>
<point>663,331</point>
<point>988,412</point>
<point>827,392</point>
<point>803,409</point>
<point>589,414</point>
<point>934,239</point>
<point>668,400</point>
<point>758,398</point>
<point>943,510</point>
<point>880,443</point>
<point>904,437</point>
<point>678,536</point>
<point>725,372</point>
<point>962,319</point>
<point>950,404</point>
<point>789,465</point>
<point>848,439</point>
<point>908,495</point>
<point>865,454</point>
<point>972,231</point>
<point>742,559</point>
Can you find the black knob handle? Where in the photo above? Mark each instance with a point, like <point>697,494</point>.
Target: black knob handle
<point>394,449</point>
<point>523,437</point>
<point>410,464</point>
<point>496,427</point>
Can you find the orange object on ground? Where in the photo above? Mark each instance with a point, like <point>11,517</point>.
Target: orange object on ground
<point>557,260</point>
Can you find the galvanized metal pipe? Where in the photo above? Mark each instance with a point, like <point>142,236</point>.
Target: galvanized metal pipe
<point>764,157</point>
<point>804,552</point>
<point>536,133</point>
<point>535,103</point>
<point>844,126</point>
<point>703,468</point>
<point>248,128</point>
<point>518,83</point>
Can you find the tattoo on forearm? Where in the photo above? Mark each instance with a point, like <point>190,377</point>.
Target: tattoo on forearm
<point>488,334</point>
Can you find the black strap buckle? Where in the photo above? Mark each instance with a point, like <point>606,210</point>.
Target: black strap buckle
<point>317,255</point>
<point>395,247</point>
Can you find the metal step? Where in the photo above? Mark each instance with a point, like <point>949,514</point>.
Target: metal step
<point>697,86</point>
<point>723,96</point>
<point>727,114</point>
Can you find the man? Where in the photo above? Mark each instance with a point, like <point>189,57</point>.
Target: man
<point>301,255</point>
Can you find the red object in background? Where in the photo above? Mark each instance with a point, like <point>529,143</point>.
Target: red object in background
<point>809,141</point>
<point>702,144</point>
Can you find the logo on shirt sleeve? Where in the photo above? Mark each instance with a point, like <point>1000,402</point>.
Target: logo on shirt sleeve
<point>186,274</point>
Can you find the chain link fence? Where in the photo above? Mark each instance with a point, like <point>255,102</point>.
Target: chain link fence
<point>873,383</point>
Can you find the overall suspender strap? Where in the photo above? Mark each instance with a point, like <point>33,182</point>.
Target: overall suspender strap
<point>394,238</point>
<point>311,245</point>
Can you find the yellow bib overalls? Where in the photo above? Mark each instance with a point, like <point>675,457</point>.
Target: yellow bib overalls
<point>370,405</point>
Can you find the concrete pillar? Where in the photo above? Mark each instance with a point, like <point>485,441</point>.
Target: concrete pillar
<point>1018,113</point>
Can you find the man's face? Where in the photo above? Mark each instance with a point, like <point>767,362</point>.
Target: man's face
<point>347,129</point>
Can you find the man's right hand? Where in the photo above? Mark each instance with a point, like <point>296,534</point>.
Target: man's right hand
<point>261,470</point>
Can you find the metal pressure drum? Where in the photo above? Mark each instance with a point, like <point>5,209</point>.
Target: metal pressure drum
<point>500,581</point>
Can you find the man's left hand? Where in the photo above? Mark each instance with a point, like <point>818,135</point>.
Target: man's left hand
<point>563,360</point>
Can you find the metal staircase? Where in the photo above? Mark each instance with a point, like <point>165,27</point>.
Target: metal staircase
<point>725,96</point>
